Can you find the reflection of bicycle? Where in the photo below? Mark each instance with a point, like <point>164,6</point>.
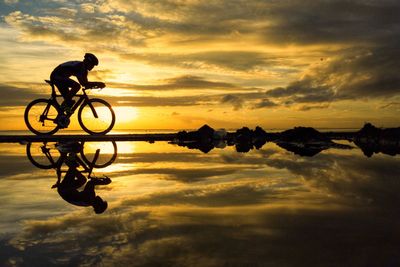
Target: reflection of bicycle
<point>45,116</point>
<point>53,155</point>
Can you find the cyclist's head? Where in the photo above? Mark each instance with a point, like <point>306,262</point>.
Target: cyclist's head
<point>90,61</point>
<point>99,205</point>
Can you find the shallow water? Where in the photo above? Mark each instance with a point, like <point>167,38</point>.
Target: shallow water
<point>172,206</point>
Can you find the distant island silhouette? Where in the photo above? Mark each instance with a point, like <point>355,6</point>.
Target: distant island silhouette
<point>303,141</point>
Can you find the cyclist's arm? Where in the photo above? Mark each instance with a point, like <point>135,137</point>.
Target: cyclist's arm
<point>85,83</point>
<point>95,85</point>
<point>83,80</point>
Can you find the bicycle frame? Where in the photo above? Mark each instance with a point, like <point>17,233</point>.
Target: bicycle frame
<point>57,165</point>
<point>83,98</point>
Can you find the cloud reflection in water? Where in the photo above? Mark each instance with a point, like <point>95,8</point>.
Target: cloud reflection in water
<point>179,207</point>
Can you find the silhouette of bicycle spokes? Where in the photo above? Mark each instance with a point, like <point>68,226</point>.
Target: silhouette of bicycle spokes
<point>46,116</point>
<point>51,155</point>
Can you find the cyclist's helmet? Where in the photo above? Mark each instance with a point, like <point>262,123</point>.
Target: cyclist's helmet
<point>89,57</point>
<point>99,205</point>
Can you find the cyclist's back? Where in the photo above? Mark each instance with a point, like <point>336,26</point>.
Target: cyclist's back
<point>68,69</point>
<point>80,69</point>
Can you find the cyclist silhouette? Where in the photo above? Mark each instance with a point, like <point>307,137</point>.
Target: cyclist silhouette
<point>80,69</point>
<point>73,180</point>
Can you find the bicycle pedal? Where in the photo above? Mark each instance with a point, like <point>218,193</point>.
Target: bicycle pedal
<point>63,121</point>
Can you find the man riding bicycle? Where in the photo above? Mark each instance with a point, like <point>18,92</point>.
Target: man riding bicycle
<point>68,87</point>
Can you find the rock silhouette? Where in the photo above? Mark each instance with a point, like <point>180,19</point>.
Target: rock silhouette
<point>371,139</point>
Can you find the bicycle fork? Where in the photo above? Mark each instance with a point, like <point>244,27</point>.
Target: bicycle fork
<point>93,110</point>
<point>43,117</point>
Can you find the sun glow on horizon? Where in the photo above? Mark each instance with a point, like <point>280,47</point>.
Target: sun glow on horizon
<point>125,115</point>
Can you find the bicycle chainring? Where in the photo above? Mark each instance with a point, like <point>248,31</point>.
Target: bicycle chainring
<point>63,121</point>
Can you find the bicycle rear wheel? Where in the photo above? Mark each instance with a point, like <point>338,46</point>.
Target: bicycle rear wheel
<point>96,116</point>
<point>40,117</point>
<point>43,155</point>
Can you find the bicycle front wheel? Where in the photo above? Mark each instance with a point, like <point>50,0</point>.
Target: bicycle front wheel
<point>40,117</point>
<point>96,116</point>
<point>107,153</point>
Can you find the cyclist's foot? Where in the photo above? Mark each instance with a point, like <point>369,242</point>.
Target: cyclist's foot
<point>62,121</point>
<point>67,105</point>
<point>101,181</point>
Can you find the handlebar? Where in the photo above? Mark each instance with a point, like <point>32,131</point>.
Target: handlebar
<point>90,88</point>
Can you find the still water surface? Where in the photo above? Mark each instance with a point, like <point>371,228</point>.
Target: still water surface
<point>172,206</point>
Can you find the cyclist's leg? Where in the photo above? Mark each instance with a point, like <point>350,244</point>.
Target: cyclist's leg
<point>74,88</point>
<point>89,190</point>
<point>63,86</point>
<point>73,179</point>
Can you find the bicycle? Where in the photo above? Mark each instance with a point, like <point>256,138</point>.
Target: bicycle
<point>46,116</point>
<point>48,155</point>
<point>58,155</point>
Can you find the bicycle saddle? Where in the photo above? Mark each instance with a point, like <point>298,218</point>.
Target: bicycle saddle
<point>49,82</point>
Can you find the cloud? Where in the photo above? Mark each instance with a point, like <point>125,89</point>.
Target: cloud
<point>232,60</point>
<point>188,82</point>
<point>13,165</point>
<point>333,202</point>
<point>210,196</point>
<point>16,96</point>
<point>395,105</point>
<point>209,237</point>
<point>239,44</point>
<point>84,31</point>
<point>88,8</point>
<point>313,22</point>
<point>355,74</point>
<point>186,175</point>
<point>372,183</point>
<point>286,22</point>
<point>10,2</point>
<point>265,103</point>
<point>182,82</point>
<point>235,100</point>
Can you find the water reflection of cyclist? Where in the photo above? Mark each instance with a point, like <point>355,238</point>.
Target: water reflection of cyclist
<point>73,180</point>
<point>62,73</point>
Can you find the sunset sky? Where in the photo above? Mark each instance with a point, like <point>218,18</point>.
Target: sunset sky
<point>175,64</point>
